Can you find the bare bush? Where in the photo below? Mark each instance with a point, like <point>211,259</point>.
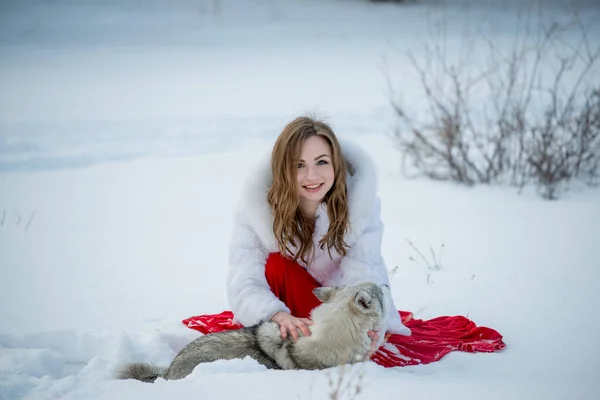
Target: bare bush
<point>536,124</point>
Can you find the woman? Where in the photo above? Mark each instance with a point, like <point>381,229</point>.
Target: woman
<point>311,218</point>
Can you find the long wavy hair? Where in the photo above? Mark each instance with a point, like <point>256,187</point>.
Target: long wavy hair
<point>290,227</point>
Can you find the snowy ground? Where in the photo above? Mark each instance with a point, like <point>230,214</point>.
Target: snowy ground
<point>126,130</point>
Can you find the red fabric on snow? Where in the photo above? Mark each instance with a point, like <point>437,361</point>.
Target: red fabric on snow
<point>433,339</point>
<point>430,340</point>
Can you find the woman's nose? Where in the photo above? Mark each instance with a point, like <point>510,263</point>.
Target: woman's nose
<point>311,172</point>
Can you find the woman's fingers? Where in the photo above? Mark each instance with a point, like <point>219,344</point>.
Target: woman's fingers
<point>303,325</point>
<point>300,324</point>
<point>374,336</point>
<point>289,325</point>
<point>294,332</point>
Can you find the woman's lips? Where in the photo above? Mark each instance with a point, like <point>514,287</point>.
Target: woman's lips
<point>313,188</point>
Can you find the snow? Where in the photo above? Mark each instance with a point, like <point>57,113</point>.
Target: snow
<point>126,131</point>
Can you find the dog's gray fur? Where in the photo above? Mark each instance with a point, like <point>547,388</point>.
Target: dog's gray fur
<point>339,336</point>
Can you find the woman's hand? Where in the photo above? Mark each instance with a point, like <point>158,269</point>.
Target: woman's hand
<point>290,324</point>
<point>375,340</point>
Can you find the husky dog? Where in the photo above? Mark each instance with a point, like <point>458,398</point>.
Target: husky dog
<point>339,335</point>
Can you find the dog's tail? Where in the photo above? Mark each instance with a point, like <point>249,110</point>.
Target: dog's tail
<point>140,371</point>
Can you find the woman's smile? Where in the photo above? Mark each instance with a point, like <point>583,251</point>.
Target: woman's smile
<point>313,188</point>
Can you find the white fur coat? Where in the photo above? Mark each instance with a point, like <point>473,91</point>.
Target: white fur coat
<point>250,297</point>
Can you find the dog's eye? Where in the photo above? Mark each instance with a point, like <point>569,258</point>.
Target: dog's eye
<point>363,303</point>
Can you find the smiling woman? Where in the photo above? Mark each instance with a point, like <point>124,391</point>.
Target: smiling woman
<point>310,218</point>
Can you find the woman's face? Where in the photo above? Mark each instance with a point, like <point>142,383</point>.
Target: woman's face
<point>315,170</point>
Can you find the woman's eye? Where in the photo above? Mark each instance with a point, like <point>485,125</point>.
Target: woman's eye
<point>300,165</point>
<point>321,162</point>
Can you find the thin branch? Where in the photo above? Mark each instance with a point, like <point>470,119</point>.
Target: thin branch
<point>30,219</point>
<point>419,253</point>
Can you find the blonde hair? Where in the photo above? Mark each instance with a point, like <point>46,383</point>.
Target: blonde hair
<point>290,226</point>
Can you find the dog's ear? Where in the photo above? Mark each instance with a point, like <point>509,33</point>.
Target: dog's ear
<point>324,293</point>
<point>362,301</point>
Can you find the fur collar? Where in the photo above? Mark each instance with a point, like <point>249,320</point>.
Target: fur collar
<point>362,194</point>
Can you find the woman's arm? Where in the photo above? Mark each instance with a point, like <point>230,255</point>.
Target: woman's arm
<point>250,297</point>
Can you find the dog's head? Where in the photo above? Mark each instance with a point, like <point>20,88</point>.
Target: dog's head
<point>362,299</point>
